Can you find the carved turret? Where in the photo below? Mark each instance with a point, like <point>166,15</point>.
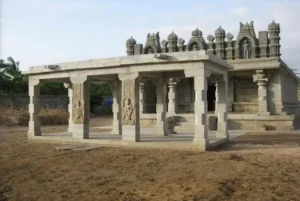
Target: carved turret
<point>210,44</point>
<point>130,46</point>
<point>172,42</point>
<point>229,49</point>
<point>274,31</point>
<point>196,42</point>
<point>181,45</point>
<point>220,40</point>
<point>164,47</point>
<point>263,44</point>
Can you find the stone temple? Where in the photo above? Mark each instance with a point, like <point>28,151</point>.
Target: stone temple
<point>203,87</point>
<point>262,89</point>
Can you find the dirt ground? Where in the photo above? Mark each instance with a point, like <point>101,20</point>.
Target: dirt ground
<point>253,167</point>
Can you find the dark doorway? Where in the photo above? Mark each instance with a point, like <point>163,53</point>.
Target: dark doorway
<point>211,97</point>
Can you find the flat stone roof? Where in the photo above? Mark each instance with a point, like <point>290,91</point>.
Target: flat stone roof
<point>176,57</point>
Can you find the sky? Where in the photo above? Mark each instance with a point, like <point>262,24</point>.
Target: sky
<point>37,32</point>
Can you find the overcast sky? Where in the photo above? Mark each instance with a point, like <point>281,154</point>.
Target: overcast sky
<point>38,32</point>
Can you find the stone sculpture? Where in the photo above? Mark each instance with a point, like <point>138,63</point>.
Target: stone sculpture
<point>246,50</point>
<point>78,112</point>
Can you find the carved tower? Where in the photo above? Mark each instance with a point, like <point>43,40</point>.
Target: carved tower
<point>220,42</point>
<point>274,31</point>
<point>172,42</point>
<point>130,43</point>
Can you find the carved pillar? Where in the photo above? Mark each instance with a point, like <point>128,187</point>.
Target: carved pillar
<point>116,92</point>
<point>70,94</point>
<point>172,96</point>
<point>222,131</point>
<point>262,82</point>
<point>142,97</point>
<point>34,108</point>
<point>161,107</point>
<point>200,86</point>
<point>80,107</point>
<point>216,101</point>
<point>130,107</point>
<point>230,94</point>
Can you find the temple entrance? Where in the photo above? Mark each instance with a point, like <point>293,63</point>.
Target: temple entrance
<point>211,97</point>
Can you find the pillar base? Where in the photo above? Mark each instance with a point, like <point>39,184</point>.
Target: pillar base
<point>161,132</point>
<point>34,133</point>
<point>80,131</point>
<point>201,143</point>
<point>131,133</point>
<point>263,113</point>
<point>115,132</point>
<point>220,135</point>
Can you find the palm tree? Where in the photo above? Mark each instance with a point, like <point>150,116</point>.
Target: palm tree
<point>13,71</point>
<point>3,67</point>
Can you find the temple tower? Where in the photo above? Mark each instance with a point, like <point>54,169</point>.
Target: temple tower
<point>274,31</point>
<point>220,41</point>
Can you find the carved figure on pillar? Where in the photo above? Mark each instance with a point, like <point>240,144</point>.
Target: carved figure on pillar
<point>128,110</point>
<point>79,112</point>
<point>172,95</point>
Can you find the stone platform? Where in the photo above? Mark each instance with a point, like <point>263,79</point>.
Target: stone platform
<point>183,140</point>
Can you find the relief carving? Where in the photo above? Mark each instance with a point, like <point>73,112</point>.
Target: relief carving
<point>78,112</point>
<point>128,109</point>
<point>246,50</point>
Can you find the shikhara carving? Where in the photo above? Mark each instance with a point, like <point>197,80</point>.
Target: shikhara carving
<point>78,112</point>
<point>246,45</point>
<point>128,109</point>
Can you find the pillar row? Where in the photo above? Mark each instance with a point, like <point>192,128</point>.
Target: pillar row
<point>80,107</point>
<point>116,92</point>
<point>222,112</point>
<point>130,107</point>
<point>34,108</point>
<point>161,107</point>
<point>172,96</point>
<point>70,108</point>
<point>262,82</point>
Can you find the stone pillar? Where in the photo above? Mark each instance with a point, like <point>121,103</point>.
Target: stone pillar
<point>80,107</point>
<point>262,82</point>
<point>34,108</point>
<point>216,101</point>
<point>130,107</point>
<point>172,96</point>
<point>142,97</point>
<point>230,94</point>
<point>222,131</point>
<point>161,107</point>
<point>200,86</point>
<point>116,107</point>
<point>70,94</point>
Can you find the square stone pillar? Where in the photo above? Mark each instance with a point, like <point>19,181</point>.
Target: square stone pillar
<point>130,107</point>
<point>70,94</point>
<point>230,94</point>
<point>80,107</point>
<point>262,82</point>
<point>161,107</point>
<point>34,108</point>
<point>222,89</point>
<point>200,86</point>
<point>142,96</point>
<point>116,92</point>
<point>172,96</point>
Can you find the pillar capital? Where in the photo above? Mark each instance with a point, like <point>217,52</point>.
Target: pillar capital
<point>197,72</point>
<point>128,76</point>
<point>78,79</point>
<point>68,85</point>
<point>260,77</point>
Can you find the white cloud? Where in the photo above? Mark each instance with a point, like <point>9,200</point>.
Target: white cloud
<point>240,11</point>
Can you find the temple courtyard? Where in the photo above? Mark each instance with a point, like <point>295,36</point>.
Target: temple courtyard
<point>264,163</point>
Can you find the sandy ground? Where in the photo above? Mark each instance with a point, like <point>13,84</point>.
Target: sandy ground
<point>254,167</point>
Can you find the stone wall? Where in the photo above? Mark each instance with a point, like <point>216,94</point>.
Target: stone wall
<point>46,101</point>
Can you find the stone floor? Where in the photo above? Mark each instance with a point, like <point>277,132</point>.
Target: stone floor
<point>180,140</point>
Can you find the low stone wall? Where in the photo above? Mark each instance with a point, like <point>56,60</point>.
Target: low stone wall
<point>46,101</point>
